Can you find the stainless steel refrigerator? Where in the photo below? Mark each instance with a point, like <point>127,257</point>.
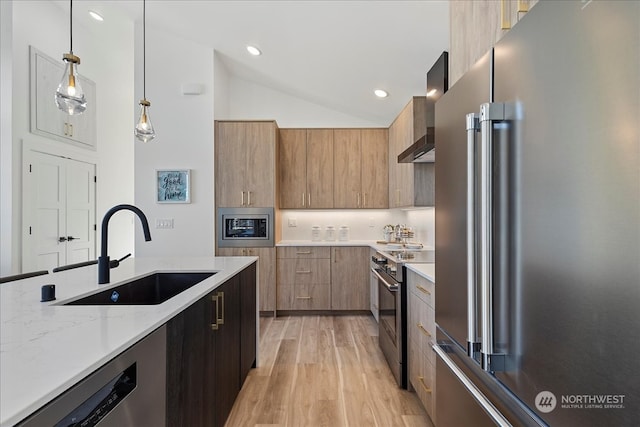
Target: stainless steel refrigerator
<point>538,225</point>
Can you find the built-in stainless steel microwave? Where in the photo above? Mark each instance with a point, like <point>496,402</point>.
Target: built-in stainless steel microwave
<point>245,227</point>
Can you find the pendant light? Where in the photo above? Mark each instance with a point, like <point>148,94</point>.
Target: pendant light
<point>144,129</point>
<point>69,95</point>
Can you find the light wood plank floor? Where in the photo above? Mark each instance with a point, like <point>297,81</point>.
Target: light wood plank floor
<point>323,371</point>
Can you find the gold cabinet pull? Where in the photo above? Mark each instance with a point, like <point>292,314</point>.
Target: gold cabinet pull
<point>424,331</point>
<point>303,199</point>
<point>214,325</point>
<point>358,199</point>
<point>221,297</point>
<point>303,271</point>
<point>309,200</point>
<point>70,129</point>
<point>364,200</point>
<point>424,386</point>
<point>523,6</point>
<point>423,289</point>
<point>506,23</point>
<point>248,198</point>
<point>303,253</point>
<point>303,297</point>
<point>242,198</point>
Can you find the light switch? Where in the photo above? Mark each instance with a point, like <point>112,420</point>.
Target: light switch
<point>293,222</point>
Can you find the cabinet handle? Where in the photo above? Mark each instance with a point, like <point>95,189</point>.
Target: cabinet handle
<point>248,198</point>
<point>303,199</point>
<point>220,320</point>
<point>303,253</point>
<point>358,199</point>
<point>66,128</point>
<point>506,24</point>
<point>303,297</point>
<point>424,386</point>
<point>214,325</point>
<point>303,271</point>
<point>309,197</point>
<point>242,198</point>
<point>71,127</point>
<point>424,331</point>
<point>398,197</point>
<point>422,289</point>
<point>364,200</point>
<point>523,6</point>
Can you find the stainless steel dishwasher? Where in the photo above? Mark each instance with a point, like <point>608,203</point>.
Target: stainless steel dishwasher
<point>128,391</point>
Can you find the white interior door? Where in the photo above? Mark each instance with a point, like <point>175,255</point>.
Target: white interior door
<point>59,212</point>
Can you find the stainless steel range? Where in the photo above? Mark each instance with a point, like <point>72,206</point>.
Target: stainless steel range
<point>389,268</point>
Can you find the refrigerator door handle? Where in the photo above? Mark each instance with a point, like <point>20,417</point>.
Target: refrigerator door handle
<point>489,113</point>
<point>473,128</point>
<point>482,400</point>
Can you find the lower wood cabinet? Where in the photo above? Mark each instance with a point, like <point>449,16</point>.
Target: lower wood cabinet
<point>211,346</point>
<point>304,278</point>
<point>323,278</point>
<point>350,278</point>
<point>421,336</point>
<point>266,272</point>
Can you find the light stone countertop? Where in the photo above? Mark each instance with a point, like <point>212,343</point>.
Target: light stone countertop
<point>428,271</point>
<point>46,348</point>
<point>370,243</point>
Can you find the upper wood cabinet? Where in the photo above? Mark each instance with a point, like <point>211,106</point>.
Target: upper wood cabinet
<point>361,168</point>
<point>46,119</point>
<point>245,161</point>
<point>475,26</point>
<point>407,128</point>
<point>306,168</point>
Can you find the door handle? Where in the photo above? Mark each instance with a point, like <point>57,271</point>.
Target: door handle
<point>473,127</point>
<point>62,239</point>
<point>70,238</point>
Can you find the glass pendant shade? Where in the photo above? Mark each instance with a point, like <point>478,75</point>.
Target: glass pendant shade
<point>144,131</point>
<point>69,95</point>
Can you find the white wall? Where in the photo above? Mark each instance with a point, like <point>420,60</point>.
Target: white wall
<point>184,128</point>
<point>253,101</point>
<point>221,88</point>
<point>6,146</point>
<point>106,54</point>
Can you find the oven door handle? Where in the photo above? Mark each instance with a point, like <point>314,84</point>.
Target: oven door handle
<point>391,287</point>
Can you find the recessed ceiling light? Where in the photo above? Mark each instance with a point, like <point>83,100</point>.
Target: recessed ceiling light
<point>253,50</point>
<point>96,16</point>
<point>381,93</point>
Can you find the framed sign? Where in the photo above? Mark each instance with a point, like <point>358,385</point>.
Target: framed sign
<point>173,186</point>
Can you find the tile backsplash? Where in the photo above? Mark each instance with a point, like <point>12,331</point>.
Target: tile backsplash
<point>363,224</point>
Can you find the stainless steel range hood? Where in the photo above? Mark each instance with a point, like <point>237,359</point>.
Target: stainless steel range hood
<point>423,150</point>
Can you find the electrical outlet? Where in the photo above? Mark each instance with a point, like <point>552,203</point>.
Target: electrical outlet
<point>293,222</point>
<point>371,222</point>
<point>164,223</point>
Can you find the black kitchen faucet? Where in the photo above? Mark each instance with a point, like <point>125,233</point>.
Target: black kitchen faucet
<point>103,261</point>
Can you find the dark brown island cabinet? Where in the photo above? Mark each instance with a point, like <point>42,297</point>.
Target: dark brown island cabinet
<point>211,347</point>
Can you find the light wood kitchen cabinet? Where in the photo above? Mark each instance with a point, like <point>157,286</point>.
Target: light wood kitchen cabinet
<point>266,273</point>
<point>421,337</point>
<point>475,26</point>
<point>245,153</point>
<point>46,119</point>
<point>406,129</point>
<point>373,290</point>
<point>306,168</point>
<point>361,168</point>
<point>304,278</point>
<point>350,278</point>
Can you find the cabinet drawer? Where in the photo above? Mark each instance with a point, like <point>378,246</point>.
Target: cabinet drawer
<point>304,297</point>
<point>303,271</point>
<point>422,326</point>
<point>304,252</point>
<point>423,288</point>
<point>423,379</point>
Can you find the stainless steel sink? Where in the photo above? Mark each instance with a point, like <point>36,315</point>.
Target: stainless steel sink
<point>153,289</point>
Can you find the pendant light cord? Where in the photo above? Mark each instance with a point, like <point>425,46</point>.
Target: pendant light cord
<point>71,26</point>
<point>144,49</point>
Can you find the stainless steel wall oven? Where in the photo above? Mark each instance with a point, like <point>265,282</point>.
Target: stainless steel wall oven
<point>245,227</point>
